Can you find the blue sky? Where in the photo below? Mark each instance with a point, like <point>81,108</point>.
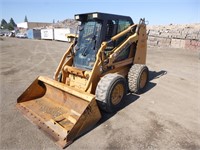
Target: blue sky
<point>156,11</point>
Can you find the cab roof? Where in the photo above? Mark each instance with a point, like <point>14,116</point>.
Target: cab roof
<point>101,16</point>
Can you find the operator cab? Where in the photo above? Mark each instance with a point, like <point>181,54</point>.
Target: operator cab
<point>94,29</point>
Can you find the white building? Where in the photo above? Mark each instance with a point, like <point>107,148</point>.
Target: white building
<point>31,25</point>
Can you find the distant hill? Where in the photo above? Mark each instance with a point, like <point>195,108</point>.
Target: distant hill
<point>67,23</point>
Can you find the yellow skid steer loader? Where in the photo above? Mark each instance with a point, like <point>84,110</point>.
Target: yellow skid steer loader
<point>103,62</point>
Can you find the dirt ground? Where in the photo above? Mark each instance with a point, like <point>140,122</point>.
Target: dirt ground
<point>166,116</point>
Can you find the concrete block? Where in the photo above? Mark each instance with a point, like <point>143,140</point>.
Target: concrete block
<point>175,43</point>
<point>192,44</point>
<point>198,37</point>
<point>152,38</point>
<point>164,42</point>
<point>165,35</point>
<point>152,43</point>
<point>191,37</point>
<point>189,31</point>
<point>187,43</point>
<point>175,35</point>
<point>154,33</point>
<point>182,44</point>
<point>195,43</point>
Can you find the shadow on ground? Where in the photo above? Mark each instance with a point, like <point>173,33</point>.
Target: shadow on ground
<point>152,76</point>
<point>155,75</point>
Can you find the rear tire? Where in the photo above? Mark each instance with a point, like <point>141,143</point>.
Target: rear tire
<point>138,78</point>
<point>110,92</point>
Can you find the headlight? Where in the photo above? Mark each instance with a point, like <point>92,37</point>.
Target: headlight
<point>95,15</point>
<point>77,17</point>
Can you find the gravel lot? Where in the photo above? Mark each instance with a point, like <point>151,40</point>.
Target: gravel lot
<point>166,116</point>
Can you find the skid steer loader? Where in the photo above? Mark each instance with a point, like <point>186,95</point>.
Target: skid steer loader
<point>104,61</point>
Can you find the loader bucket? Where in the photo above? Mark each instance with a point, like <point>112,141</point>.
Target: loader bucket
<point>62,112</point>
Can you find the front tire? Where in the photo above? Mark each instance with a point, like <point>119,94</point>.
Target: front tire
<point>110,92</point>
